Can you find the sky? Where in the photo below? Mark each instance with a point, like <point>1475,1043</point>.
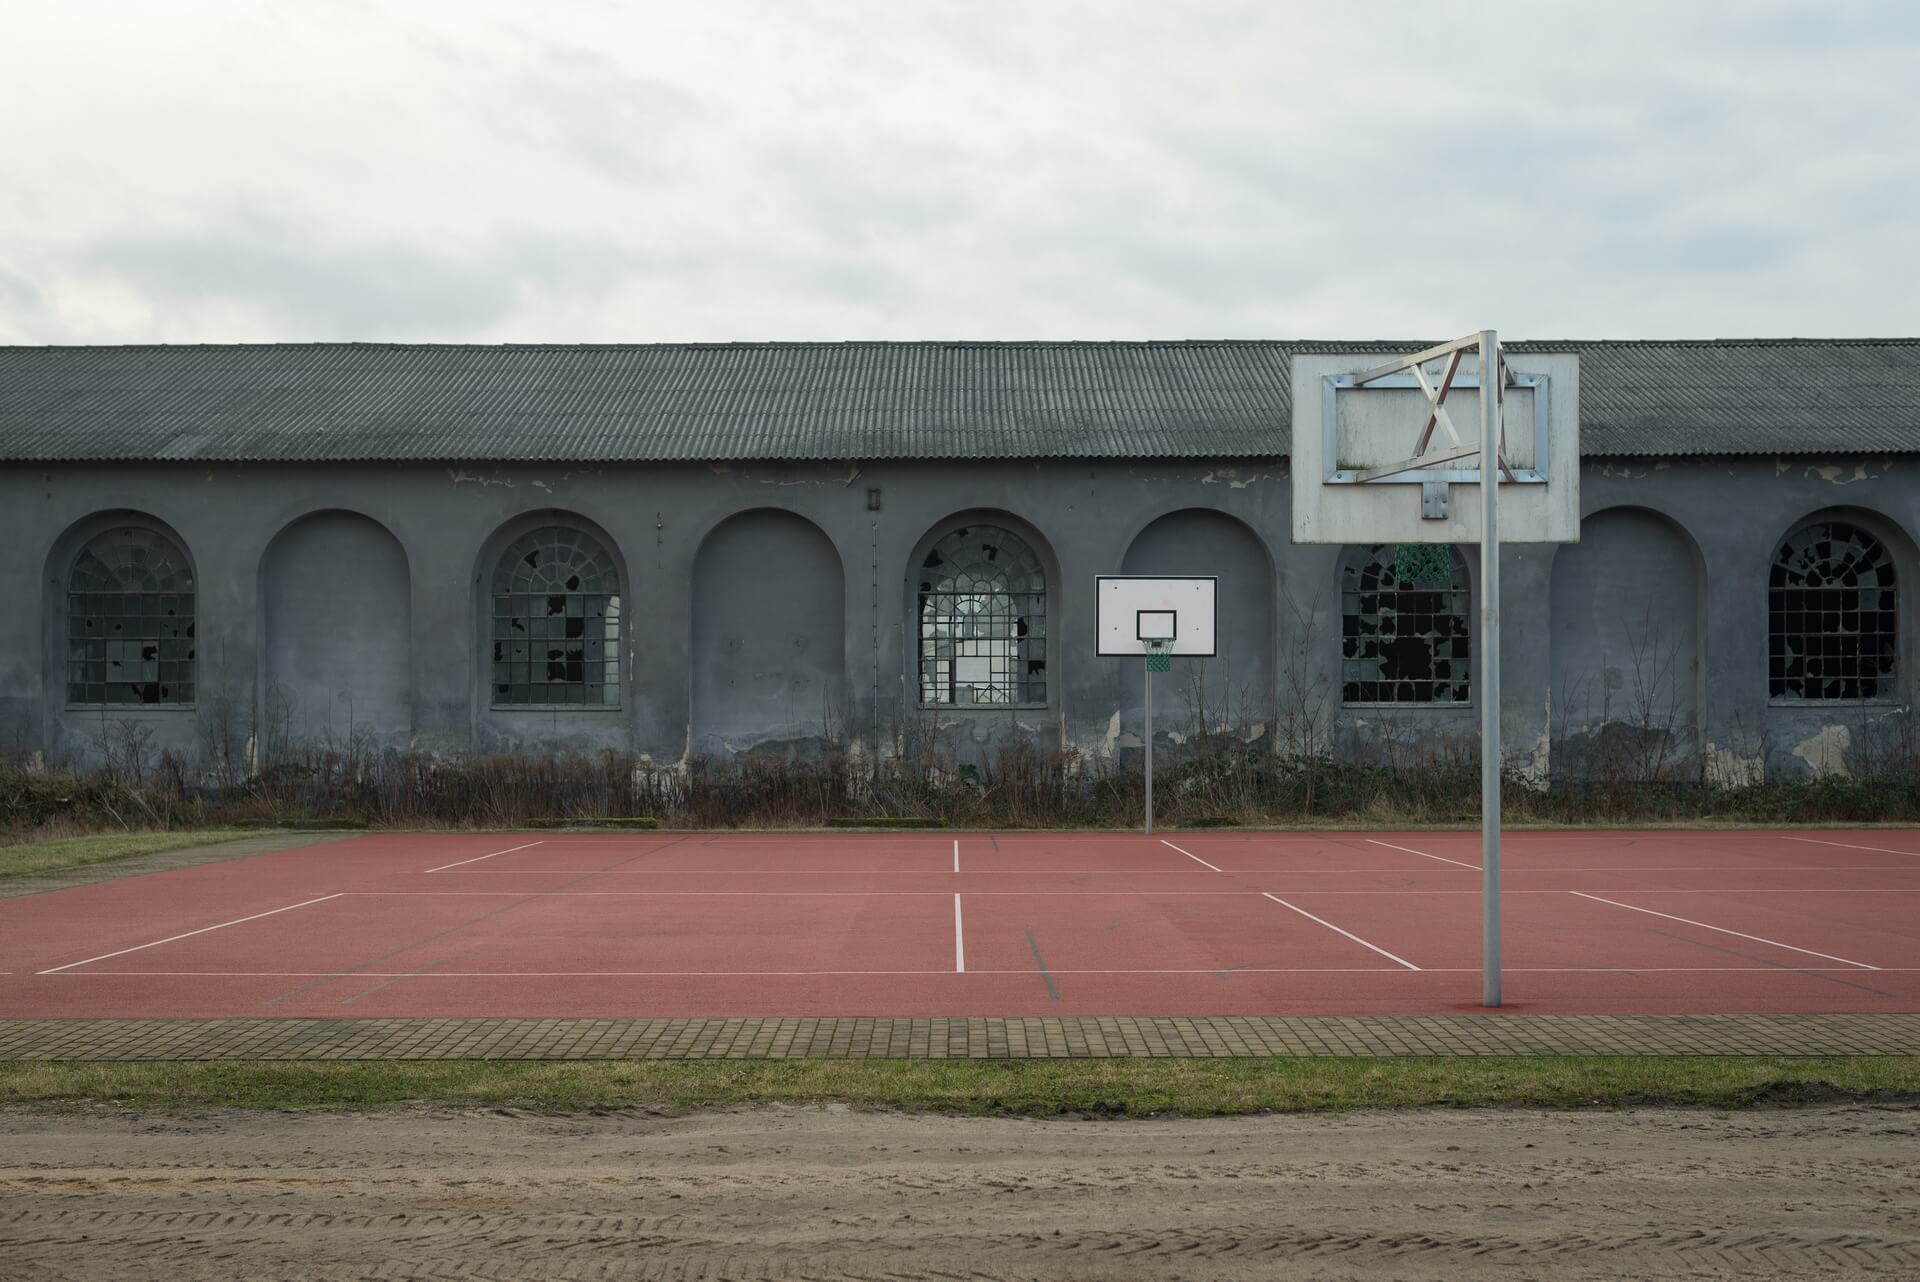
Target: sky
<point>575,171</point>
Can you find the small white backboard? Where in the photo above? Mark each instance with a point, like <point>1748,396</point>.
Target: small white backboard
<point>1137,608</point>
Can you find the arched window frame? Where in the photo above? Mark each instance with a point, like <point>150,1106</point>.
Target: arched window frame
<point>1430,623</point>
<point>1817,599</point>
<point>555,637</point>
<point>980,612</point>
<point>131,618</point>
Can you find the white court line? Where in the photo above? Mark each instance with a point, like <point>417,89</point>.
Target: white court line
<point>1423,854</point>
<point>959,939</point>
<point>189,934</point>
<point>1165,872</point>
<point>1847,845</point>
<point>1336,930</point>
<point>1722,929</point>
<point>803,974</point>
<point>477,858</point>
<point>956,854</point>
<point>1188,853</point>
<point>1089,894</point>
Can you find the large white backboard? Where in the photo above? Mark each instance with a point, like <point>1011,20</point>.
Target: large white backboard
<point>1340,430</point>
<point>1125,598</point>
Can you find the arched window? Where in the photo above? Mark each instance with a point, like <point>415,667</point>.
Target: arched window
<point>556,621</point>
<point>983,620</point>
<point>1405,640</point>
<point>1832,629</point>
<point>130,620</point>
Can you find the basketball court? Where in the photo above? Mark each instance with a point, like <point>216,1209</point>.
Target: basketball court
<point>769,924</point>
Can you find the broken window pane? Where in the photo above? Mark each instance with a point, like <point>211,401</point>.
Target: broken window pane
<point>130,620</point>
<point>1403,642</point>
<point>556,601</point>
<point>983,620</point>
<point>1831,630</point>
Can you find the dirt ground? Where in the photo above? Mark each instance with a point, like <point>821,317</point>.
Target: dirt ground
<point>825,1193</point>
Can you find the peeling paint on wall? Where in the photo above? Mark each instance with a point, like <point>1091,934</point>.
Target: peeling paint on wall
<point>460,476</point>
<point>1533,768</point>
<point>1729,769</point>
<point>1826,750</point>
<point>1844,473</point>
<point>1230,476</point>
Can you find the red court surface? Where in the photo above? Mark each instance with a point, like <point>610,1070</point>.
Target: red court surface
<point>768,924</point>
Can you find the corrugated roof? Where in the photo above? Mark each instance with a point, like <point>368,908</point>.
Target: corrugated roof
<point>686,402</point>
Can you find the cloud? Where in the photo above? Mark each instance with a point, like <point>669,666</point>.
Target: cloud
<point>869,169</point>
<point>306,283</point>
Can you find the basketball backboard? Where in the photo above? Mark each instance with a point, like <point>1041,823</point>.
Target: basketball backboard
<point>1178,611</point>
<point>1379,448</point>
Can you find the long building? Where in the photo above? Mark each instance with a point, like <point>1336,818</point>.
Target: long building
<point>727,549</point>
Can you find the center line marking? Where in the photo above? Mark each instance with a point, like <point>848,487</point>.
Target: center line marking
<point>1424,855</point>
<point>959,939</point>
<point>1758,939</point>
<point>477,858</point>
<point>1336,930</point>
<point>956,854</point>
<point>1188,853</point>
<point>191,933</point>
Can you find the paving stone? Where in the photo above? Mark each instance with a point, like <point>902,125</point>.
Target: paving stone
<point>1024,1038</point>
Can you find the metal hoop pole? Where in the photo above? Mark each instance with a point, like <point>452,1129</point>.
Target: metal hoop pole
<point>1146,669</point>
<point>1489,670</point>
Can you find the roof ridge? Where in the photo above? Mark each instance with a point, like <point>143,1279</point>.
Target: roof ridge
<point>830,344</point>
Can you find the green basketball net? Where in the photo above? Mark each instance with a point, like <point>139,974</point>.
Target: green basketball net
<point>1422,562</point>
<point>1159,657</point>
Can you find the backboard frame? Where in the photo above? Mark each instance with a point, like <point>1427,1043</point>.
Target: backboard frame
<point>1120,599</point>
<point>1368,502</point>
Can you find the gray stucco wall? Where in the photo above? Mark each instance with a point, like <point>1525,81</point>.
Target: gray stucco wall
<point>336,606</point>
<point>449,523</point>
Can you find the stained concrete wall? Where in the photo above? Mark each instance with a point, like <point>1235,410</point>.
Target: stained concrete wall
<point>1081,517</point>
<point>336,604</point>
<point>1233,692</point>
<point>1628,601</point>
<point>769,637</point>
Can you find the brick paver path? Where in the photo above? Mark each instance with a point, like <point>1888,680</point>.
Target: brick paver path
<point>1020,1038</point>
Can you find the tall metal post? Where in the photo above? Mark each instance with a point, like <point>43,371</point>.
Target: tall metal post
<point>1489,669</point>
<point>1146,668</point>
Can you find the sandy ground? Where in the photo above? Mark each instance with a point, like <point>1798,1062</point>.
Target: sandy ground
<point>824,1193</point>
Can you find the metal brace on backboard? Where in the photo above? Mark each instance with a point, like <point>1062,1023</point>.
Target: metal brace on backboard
<point>1433,493</point>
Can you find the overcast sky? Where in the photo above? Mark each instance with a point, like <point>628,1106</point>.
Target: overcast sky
<point>832,169</point>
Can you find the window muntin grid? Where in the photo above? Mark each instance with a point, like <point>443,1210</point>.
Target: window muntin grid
<point>983,621</point>
<point>130,600</point>
<point>556,621</point>
<point>1403,643</point>
<point>1832,621</point>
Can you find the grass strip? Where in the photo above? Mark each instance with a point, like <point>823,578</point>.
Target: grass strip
<point>39,858</point>
<point>1025,1088</point>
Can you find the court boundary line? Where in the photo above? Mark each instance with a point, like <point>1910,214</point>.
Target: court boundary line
<point>1158,872</point>
<point>1336,930</point>
<point>806,974</point>
<point>476,859</point>
<point>190,934</point>
<point>1188,853</point>
<point>1848,845</point>
<point>1423,854</point>
<point>1041,894</point>
<point>1758,939</point>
